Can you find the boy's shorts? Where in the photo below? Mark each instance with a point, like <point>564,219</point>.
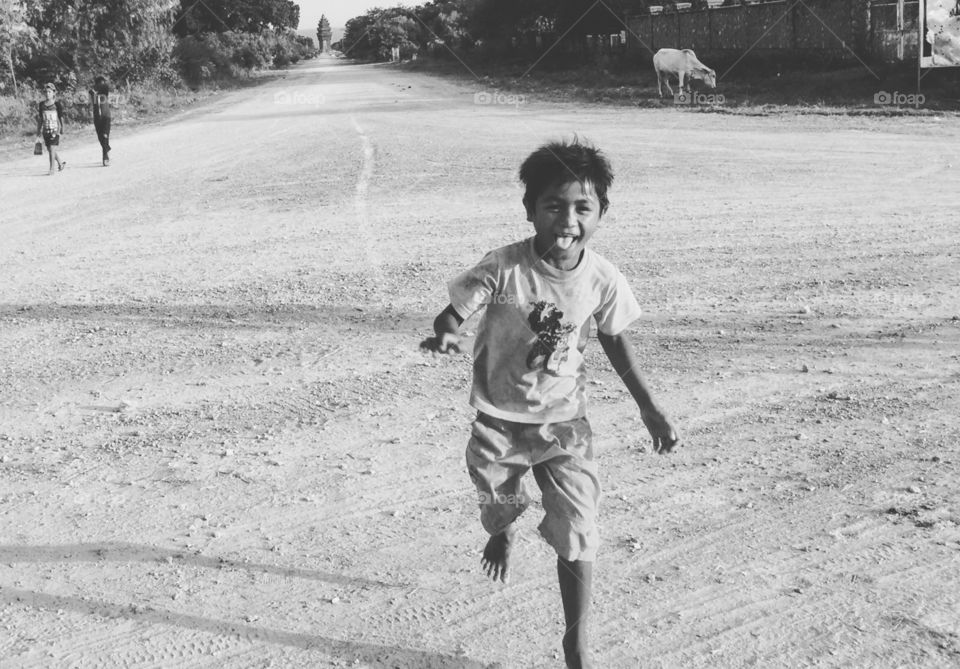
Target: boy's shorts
<point>500,452</point>
<point>51,139</point>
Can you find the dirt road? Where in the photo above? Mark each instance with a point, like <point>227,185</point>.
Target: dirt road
<point>220,447</point>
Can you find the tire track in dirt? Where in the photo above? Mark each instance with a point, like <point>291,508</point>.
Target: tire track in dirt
<point>336,512</point>
<point>461,617</point>
<point>144,647</point>
<point>172,645</point>
<point>725,623</point>
<point>369,244</point>
<point>97,642</point>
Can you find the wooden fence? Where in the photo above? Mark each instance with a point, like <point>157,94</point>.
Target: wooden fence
<point>830,29</point>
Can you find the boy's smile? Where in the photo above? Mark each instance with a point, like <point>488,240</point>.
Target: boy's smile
<point>565,216</point>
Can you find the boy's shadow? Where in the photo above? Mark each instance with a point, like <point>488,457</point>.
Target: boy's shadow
<point>374,654</point>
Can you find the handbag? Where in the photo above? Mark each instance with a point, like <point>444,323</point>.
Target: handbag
<point>38,149</point>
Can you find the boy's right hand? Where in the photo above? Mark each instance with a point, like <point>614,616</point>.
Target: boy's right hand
<point>445,343</point>
<point>664,436</point>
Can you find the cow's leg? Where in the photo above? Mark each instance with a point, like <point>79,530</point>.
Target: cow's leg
<point>666,80</point>
<point>680,77</point>
<point>659,84</point>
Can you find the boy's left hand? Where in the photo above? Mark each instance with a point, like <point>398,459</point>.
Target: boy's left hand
<point>665,438</point>
<point>446,343</point>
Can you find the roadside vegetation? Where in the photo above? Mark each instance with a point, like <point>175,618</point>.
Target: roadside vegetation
<point>575,50</point>
<point>745,89</point>
<point>158,55</point>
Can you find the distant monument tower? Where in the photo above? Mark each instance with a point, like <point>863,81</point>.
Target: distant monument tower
<point>324,34</point>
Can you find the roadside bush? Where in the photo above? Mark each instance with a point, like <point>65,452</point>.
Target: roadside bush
<point>18,114</point>
<point>247,51</point>
<point>201,58</point>
<point>210,57</point>
<point>288,48</point>
<point>282,54</point>
<point>55,66</point>
<point>307,47</point>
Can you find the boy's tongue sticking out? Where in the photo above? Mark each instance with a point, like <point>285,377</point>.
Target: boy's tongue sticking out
<point>565,216</point>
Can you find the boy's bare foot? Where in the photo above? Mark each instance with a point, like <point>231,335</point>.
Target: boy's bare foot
<point>496,554</point>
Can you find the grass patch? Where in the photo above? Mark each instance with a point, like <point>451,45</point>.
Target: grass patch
<point>743,87</point>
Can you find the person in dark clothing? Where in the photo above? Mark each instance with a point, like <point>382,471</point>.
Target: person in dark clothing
<point>100,104</point>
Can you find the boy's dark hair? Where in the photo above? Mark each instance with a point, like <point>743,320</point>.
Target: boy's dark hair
<point>562,162</point>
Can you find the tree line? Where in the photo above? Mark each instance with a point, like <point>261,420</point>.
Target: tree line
<point>445,26</point>
<point>132,41</point>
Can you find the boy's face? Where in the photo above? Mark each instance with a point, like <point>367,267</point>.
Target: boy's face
<point>565,216</point>
<point>50,93</point>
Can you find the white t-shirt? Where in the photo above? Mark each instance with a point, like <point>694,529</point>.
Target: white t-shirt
<point>528,362</point>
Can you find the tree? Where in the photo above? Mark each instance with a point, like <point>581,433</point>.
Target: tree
<point>356,36</point>
<point>443,22</point>
<point>324,33</point>
<point>123,38</point>
<point>394,30</point>
<point>496,19</point>
<point>14,31</point>
<point>219,16</point>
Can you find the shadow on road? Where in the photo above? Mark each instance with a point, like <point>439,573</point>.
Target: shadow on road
<point>124,552</point>
<point>226,316</point>
<point>373,654</point>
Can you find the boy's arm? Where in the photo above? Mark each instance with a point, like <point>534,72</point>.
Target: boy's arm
<point>620,353</point>
<point>446,327</point>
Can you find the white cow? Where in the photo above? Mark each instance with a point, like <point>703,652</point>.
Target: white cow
<point>682,64</point>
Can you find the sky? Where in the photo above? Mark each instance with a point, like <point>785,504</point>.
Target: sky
<point>338,12</point>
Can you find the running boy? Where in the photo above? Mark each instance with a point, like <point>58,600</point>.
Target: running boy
<point>529,376</point>
<point>50,125</point>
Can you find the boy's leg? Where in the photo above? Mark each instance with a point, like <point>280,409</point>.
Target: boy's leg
<point>55,153</point>
<point>576,581</point>
<point>103,134</point>
<point>496,467</point>
<point>568,478</point>
<point>567,475</point>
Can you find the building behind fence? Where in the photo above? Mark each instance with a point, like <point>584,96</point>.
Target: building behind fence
<point>838,30</point>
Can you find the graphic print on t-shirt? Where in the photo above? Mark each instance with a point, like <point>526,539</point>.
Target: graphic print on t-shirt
<point>550,349</point>
<point>50,125</point>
